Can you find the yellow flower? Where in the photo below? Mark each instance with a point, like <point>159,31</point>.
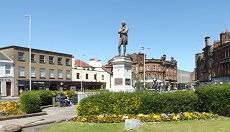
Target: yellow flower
<point>176,117</point>
<point>83,119</point>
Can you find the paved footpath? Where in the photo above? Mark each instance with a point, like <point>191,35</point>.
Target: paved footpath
<point>54,114</point>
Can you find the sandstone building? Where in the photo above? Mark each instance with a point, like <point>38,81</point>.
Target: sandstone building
<point>49,70</point>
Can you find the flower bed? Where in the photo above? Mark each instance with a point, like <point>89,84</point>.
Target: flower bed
<point>112,118</point>
<point>9,108</point>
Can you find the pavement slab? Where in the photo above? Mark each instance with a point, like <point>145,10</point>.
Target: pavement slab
<point>54,114</point>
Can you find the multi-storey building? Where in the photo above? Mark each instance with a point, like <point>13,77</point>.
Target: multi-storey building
<point>155,69</point>
<point>90,76</point>
<point>204,62</point>
<point>221,58</point>
<point>6,76</point>
<point>213,64</point>
<point>183,79</point>
<point>49,70</point>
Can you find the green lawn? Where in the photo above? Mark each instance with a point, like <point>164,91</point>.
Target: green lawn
<point>211,125</point>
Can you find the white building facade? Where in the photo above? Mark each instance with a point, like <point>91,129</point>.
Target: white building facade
<point>6,76</point>
<point>91,75</point>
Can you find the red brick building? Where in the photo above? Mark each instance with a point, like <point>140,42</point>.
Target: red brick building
<point>213,64</point>
<point>155,69</point>
<point>204,63</point>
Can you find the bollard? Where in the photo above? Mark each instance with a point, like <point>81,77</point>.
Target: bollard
<point>80,96</point>
<point>53,101</point>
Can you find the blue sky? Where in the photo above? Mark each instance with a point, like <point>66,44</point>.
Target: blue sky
<point>173,27</point>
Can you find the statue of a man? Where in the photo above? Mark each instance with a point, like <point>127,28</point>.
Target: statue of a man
<point>123,40</point>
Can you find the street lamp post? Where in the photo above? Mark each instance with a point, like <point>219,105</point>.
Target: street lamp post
<point>81,72</point>
<point>30,35</point>
<point>143,48</point>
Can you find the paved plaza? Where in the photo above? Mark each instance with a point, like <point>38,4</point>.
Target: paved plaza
<point>54,114</point>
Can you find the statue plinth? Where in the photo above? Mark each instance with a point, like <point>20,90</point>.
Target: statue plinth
<point>122,74</point>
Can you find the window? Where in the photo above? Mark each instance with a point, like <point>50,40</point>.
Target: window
<point>60,74</point>
<point>42,73</point>
<point>148,67</point>
<point>67,74</point>
<point>33,58</point>
<point>95,76</point>
<point>86,76</point>
<point>33,72</point>
<point>20,56</point>
<point>7,69</point>
<point>51,73</point>
<point>21,71</point>
<point>78,75</point>
<point>102,77</point>
<point>42,59</point>
<point>159,68</point>
<point>67,62</point>
<point>51,60</point>
<point>59,61</point>
<point>154,67</point>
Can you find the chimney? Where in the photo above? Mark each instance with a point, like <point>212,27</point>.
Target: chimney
<point>222,37</point>
<point>172,59</point>
<point>164,57</point>
<point>207,43</point>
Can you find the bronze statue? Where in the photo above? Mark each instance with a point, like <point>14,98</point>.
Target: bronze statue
<point>123,40</point>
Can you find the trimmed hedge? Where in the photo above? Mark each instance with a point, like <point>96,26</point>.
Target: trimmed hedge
<point>110,103</point>
<point>214,98</point>
<point>172,102</point>
<point>138,102</point>
<point>46,97</point>
<point>31,101</point>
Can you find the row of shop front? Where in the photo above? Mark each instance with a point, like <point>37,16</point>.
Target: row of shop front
<point>10,88</point>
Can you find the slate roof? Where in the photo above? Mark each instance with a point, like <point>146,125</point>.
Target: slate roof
<point>4,57</point>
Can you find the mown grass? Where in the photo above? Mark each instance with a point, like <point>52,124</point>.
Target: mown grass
<point>221,124</point>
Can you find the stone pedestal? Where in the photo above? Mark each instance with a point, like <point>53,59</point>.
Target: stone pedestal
<point>122,75</point>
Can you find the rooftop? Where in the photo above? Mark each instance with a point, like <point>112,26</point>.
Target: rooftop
<point>37,50</point>
<point>4,57</point>
<point>80,63</point>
